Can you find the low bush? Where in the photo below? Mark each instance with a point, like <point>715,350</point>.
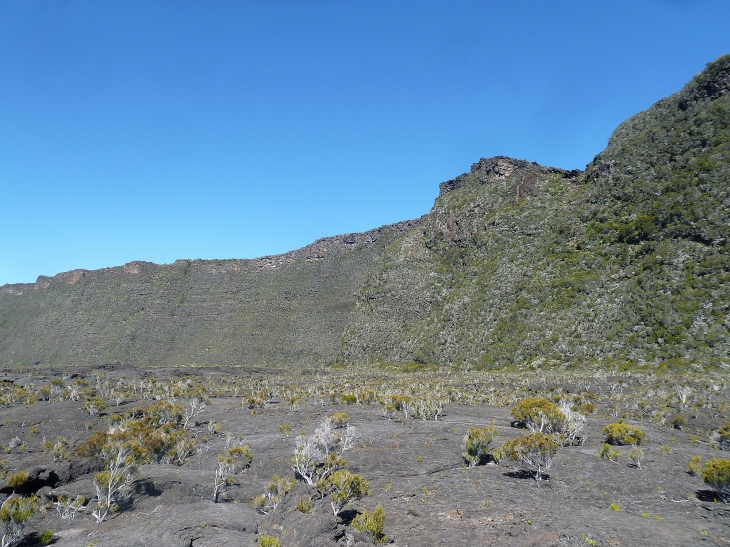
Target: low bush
<point>606,452</point>
<point>268,541</point>
<point>539,415</point>
<point>476,444</point>
<point>534,451</point>
<point>372,524</point>
<point>716,474</point>
<point>621,433</point>
<point>14,513</point>
<point>722,437</point>
<point>343,487</point>
<point>694,465</point>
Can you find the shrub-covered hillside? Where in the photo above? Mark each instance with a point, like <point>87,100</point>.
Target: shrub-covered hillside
<point>627,262</point>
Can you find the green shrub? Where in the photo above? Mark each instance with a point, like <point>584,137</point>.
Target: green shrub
<point>636,454</point>
<point>46,537</point>
<point>534,451</point>
<point>539,415</point>
<point>18,479</point>
<point>723,436</point>
<point>694,465</point>
<point>477,441</point>
<point>343,488</point>
<point>606,452</point>
<point>620,433</point>
<point>14,513</point>
<point>348,399</point>
<point>339,419</point>
<point>716,474</point>
<point>304,506</point>
<point>372,524</point>
<point>269,541</point>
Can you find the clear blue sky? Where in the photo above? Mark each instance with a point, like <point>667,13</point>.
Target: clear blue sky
<point>157,130</point>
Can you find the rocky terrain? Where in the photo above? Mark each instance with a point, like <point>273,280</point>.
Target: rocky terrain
<point>567,332</point>
<point>413,465</point>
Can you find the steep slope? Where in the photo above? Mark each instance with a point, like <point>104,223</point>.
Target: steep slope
<point>516,263</point>
<point>625,263</point>
<point>286,309</point>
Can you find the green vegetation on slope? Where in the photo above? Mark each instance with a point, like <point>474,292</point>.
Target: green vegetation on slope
<point>627,263</point>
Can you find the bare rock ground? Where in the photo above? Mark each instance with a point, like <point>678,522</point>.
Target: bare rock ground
<point>414,468</point>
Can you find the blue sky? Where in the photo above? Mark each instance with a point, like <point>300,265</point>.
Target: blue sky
<point>164,130</point>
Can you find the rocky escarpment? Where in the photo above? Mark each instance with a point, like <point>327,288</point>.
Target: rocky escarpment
<point>288,308</point>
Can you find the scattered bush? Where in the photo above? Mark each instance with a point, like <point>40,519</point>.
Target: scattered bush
<point>722,437</point>
<point>318,455</point>
<point>539,415</point>
<point>113,484</point>
<point>274,494</point>
<point>14,513</point>
<point>45,538</point>
<point>17,480</point>
<point>339,420</point>
<point>304,506</point>
<point>372,524</point>
<point>606,452</point>
<point>694,465</point>
<point>67,508</point>
<point>477,441</point>
<point>636,454</point>
<point>268,541</point>
<point>343,487</point>
<point>621,433</point>
<point>716,474</point>
<point>284,429</point>
<point>534,451</point>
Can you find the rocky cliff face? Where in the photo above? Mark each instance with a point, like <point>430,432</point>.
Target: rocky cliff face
<point>627,262</point>
<point>284,309</point>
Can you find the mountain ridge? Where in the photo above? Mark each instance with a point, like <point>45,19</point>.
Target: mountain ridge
<point>624,264</point>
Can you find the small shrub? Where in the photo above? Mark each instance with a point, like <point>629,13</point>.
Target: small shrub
<point>678,421</point>
<point>534,451</point>
<point>268,541</point>
<point>636,454</point>
<point>716,474</point>
<point>348,399</point>
<point>606,452</point>
<point>539,415</point>
<point>722,437</point>
<point>620,433</point>
<point>14,513</point>
<point>694,465</point>
<point>343,487</point>
<point>45,538</point>
<point>615,507</point>
<point>284,429</point>
<point>372,524</point>
<point>476,444</point>
<point>339,420</point>
<point>304,506</point>
<point>17,480</point>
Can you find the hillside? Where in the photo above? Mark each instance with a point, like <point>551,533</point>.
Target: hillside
<point>285,309</point>
<point>625,263</point>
